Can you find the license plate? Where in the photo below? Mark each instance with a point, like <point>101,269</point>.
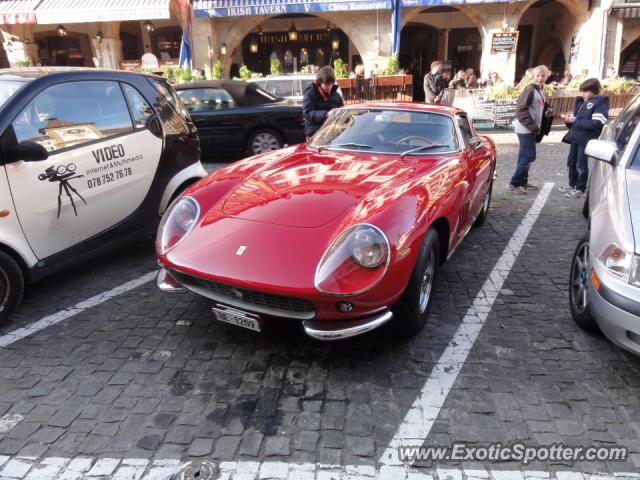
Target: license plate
<point>237,317</point>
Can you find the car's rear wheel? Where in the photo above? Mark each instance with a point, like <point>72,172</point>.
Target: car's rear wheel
<point>11,285</point>
<point>486,203</point>
<point>262,141</point>
<point>412,311</point>
<point>578,298</point>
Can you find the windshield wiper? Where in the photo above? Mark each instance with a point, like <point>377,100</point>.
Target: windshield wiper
<point>345,145</point>
<point>424,147</point>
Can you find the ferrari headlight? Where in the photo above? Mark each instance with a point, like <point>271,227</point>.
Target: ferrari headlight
<point>354,262</point>
<point>176,224</point>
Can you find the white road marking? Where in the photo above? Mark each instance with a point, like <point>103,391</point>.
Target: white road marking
<point>415,427</point>
<point>142,469</point>
<point>20,333</point>
<point>9,421</point>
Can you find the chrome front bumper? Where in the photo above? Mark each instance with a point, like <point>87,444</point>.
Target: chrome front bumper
<point>344,329</point>
<point>320,330</point>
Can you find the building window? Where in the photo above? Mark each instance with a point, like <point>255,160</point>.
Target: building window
<point>166,42</point>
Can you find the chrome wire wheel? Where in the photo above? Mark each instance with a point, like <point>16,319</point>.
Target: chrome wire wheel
<point>427,281</point>
<point>4,289</point>
<point>264,142</point>
<point>579,278</point>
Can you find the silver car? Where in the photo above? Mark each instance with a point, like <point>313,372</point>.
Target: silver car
<point>605,271</point>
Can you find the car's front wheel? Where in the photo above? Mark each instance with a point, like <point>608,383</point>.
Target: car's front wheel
<point>11,285</point>
<point>412,311</point>
<point>262,141</point>
<point>578,299</point>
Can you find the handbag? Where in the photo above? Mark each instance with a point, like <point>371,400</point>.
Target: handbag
<point>565,138</point>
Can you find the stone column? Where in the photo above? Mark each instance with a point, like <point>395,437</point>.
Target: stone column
<point>201,31</point>
<point>107,53</point>
<point>502,63</point>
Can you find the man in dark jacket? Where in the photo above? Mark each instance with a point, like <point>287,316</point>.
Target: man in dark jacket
<point>433,83</point>
<point>590,115</point>
<point>319,98</point>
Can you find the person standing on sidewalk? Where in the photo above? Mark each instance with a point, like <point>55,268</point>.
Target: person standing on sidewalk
<point>590,115</point>
<point>433,83</point>
<point>319,99</point>
<point>529,111</point>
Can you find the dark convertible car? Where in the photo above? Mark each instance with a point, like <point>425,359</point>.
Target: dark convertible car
<point>239,118</point>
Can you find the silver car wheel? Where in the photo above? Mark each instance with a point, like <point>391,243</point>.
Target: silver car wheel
<point>579,278</point>
<point>4,289</point>
<point>427,281</point>
<point>264,142</point>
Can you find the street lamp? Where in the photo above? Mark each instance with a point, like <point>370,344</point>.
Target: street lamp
<point>293,33</point>
<point>253,44</point>
<point>335,43</point>
<point>62,31</point>
<point>99,36</point>
<point>223,49</point>
<point>149,26</point>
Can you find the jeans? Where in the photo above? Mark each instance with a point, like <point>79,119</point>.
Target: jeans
<point>526,155</point>
<point>578,167</point>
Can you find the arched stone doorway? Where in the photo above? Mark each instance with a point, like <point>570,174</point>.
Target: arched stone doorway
<point>630,61</point>
<point>546,28</point>
<point>72,49</point>
<point>438,33</point>
<point>318,42</point>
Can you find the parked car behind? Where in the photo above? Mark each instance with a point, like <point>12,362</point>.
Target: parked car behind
<point>89,159</point>
<point>605,272</point>
<point>291,87</point>
<point>239,118</point>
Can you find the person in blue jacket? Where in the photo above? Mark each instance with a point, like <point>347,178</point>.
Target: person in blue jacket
<point>319,98</point>
<point>590,115</point>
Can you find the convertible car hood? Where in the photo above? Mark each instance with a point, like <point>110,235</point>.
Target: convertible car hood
<point>310,189</point>
<point>633,191</point>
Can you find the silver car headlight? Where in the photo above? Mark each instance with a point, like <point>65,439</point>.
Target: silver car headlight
<point>621,264</point>
<point>176,224</point>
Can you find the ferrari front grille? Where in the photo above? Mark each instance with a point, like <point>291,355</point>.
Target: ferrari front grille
<point>253,301</point>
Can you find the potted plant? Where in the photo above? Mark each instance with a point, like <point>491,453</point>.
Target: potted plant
<point>276,67</point>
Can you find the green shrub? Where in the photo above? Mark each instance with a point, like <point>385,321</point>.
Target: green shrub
<point>218,73</point>
<point>504,91</point>
<point>276,67</point>
<point>620,86</point>
<point>245,73</point>
<point>338,67</point>
<point>393,67</point>
<point>25,62</point>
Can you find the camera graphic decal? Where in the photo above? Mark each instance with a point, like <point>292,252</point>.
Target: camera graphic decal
<point>63,174</point>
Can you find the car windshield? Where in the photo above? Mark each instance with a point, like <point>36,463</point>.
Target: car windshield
<point>387,131</point>
<point>8,88</point>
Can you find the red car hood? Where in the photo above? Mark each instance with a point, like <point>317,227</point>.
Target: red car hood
<point>309,189</point>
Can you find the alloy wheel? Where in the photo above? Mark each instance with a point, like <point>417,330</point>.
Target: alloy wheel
<point>579,278</point>
<point>427,281</point>
<point>265,142</point>
<point>4,289</point>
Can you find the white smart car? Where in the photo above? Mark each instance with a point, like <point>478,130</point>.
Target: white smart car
<point>88,159</point>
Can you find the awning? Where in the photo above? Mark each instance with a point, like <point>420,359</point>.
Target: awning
<point>630,11</point>
<point>18,11</point>
<point>235,8</point>
<point>81,11</point>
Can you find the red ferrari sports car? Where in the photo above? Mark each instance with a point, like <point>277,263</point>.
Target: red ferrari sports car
<point>344,233</point>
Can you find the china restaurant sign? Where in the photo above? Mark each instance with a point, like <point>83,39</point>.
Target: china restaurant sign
<point>234,8</point>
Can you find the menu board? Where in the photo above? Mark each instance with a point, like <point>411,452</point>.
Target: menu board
<point>483,113</point>
<point>505,112</point>
<point>504,42</point>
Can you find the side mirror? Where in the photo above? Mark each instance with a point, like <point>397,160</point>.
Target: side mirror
<point>603,150</point>
<point>28,151</point>
<point>476,143</point>
<point>153,124</point>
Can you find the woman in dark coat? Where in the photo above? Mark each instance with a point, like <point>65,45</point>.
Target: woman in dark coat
<point>319,98</point>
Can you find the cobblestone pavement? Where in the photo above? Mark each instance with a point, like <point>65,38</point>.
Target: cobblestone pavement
<point>134,384</point>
